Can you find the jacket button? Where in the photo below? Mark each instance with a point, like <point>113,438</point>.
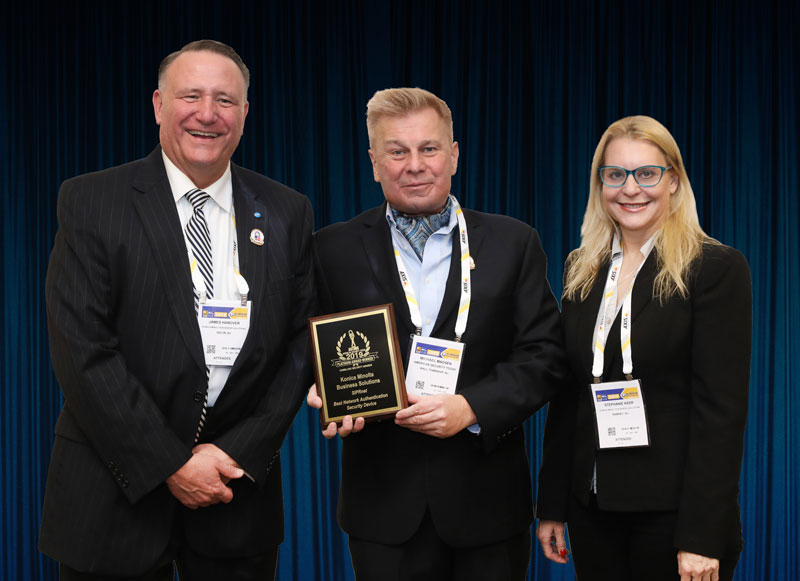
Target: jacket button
<point>198,396</point>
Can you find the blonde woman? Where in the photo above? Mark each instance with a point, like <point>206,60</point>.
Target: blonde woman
<point>642,453</point>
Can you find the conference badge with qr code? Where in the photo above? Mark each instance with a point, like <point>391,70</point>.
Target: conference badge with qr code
<point>223,327</point>
<point>620,414</point>
<point>433,365</point>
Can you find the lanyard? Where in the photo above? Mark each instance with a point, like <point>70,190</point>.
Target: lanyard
<point>466,279</point>
<point>197,278</point>
<point>608,309</point>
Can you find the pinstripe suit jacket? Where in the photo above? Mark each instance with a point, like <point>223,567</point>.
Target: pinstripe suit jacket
<point>127,354</point>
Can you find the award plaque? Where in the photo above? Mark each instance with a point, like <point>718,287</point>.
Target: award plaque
<point>357,364</point>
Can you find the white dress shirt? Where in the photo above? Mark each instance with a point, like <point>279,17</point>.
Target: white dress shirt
<point>219,214</point>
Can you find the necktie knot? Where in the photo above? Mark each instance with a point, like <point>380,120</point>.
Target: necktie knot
<point>197,198</point>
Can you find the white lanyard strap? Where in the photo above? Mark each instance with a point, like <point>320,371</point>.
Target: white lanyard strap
<point>241,283</point>
<point>466,274</point>
<point>465,282</point>
<point>608,311</point>
<point>197,278</point>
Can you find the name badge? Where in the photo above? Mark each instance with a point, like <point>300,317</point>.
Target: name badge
<point>223,327</point>
<point>620,414</point>
<point>433,366</point>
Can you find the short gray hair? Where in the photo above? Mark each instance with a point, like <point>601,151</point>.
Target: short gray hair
<point>205,45</point>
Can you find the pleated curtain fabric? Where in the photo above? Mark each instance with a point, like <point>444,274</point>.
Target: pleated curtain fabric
<point>531,86</point>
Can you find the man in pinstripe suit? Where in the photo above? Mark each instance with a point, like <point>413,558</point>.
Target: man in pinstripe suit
<point>131,486</point>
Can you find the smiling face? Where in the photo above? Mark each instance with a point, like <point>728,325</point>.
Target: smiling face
<point>201,110</point>
<point>637,210</point>
<point>414,158</point>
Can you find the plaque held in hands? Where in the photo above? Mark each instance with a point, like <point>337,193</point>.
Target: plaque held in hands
<point>357,364</point>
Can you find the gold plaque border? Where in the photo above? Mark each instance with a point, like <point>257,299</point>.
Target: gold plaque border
<point>395,357</point>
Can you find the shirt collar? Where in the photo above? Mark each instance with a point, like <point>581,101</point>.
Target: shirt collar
<point>616,245</point>
<point>221,191</point>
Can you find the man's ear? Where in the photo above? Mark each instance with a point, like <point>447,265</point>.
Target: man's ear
<point>157,103</point>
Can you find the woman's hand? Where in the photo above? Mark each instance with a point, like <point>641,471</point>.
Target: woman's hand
<point>551,537</point>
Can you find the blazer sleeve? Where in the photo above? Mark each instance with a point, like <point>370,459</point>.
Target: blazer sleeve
<point>255,441</point>
<point>532,372</point>
<point>112,408</point>
<point>720,346</point>
<point>555,473</point>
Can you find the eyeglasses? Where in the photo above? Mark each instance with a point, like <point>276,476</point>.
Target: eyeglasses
<point>646,176</point>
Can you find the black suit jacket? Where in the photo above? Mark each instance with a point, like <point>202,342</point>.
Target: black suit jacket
<point>127,353</point>
<point>693,359</point>
<point>477,488</point>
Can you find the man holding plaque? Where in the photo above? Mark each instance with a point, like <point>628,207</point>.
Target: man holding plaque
<point>442,490</point>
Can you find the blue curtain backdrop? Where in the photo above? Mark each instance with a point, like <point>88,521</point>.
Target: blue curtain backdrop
<point>531,85</point>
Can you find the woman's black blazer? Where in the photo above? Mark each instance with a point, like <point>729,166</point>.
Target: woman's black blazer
<point>692,356</point>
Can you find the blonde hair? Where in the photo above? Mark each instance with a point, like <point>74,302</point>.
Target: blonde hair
<point>401,102</point>
<point>679,239</point>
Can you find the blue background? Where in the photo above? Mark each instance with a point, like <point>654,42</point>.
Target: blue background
<point>531,85</point>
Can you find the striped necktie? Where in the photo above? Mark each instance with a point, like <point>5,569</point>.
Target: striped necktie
<point>200,242</point>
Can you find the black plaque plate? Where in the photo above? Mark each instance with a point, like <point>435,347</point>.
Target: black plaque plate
<point>357,364</point>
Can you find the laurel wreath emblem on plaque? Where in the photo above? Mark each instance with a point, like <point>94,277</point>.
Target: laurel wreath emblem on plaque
<point>341,339</point>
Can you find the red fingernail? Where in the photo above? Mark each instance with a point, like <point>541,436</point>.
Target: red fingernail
<point>562,552</point>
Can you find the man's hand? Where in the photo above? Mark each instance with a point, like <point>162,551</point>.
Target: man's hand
<point>551,538</point>
<point>348,425</point>
<point>219,454</point>
<point>199,482</point>
<point>693,567</point>
<point>441,416</point>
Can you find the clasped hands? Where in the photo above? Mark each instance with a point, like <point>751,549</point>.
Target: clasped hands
<point>440,416</point>
<point>204,479</point>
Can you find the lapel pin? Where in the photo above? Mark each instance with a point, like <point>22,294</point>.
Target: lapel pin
<point>257,214</point>
<point>257,237</point>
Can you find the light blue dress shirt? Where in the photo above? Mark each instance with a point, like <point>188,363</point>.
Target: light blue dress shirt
<point>429,275</point>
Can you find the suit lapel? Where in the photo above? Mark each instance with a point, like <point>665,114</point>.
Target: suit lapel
<point>643,286</point>
<point>377,243</point>
<point>586,319</point>
<point>251,215</point>
<point>159,215</point>
<point>452,293</point>
<point>642,295</point>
